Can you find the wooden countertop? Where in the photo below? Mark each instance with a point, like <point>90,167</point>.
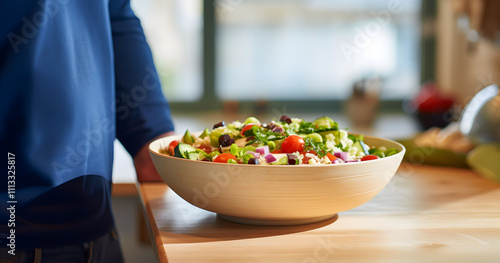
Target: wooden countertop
<point>425,214</point>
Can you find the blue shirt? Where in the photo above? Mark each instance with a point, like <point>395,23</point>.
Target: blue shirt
<point>74,75</point>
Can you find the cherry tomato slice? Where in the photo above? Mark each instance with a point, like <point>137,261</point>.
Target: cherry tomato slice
<point>277,151</point>
<point>172,146</point>
<point>306,159</point>
<point>369,157</point>
<point>205,148</point>
<point>247,127</point>
<point>309,151</point>
<point>293,143</point>
<point>224,157</point>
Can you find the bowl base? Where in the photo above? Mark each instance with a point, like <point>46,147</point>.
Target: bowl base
<point>270,222</point>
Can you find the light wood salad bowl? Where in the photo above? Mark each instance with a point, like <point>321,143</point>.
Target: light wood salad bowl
<point>276,194</point>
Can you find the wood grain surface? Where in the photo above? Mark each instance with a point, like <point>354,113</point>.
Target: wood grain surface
<point>425,214</point>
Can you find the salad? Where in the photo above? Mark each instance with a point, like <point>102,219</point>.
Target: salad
<point>289,141</point>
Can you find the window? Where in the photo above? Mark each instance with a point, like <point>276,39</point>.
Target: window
<point>284,50</point>
<point>309,50</point>
<point>173,29</point>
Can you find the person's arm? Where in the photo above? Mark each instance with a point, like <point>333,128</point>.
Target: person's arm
<point>146,171</point>
<point>142,113</point>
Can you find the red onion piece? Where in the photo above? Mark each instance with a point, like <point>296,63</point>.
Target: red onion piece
<point>264,150</point>
<point>256,155</point>
<point>342,155</point>
<point>270,158</point>
<point>278,129</point>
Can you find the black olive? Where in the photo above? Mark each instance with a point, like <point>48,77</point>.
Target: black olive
<point>219,124</point>
<point>271,126</point>
<point>278,130</point>
<point>225,140</point>
<point>292,159</point>
<point>253,161</point>
<point>250,138</point>
<point>286,119</point>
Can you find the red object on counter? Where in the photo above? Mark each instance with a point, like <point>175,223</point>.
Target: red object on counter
<point>429,100</point>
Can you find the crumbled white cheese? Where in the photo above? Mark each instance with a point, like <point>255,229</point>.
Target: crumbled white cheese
<point>325,160</point>
<point>294,125</point>
<point>313,157</point>
<point>237,124</point>
<point>262,160</point>
<point>330,137</point>
<point>301,158</point>
<point>225,149</point>
<point>310,155</point>
<point>331,147</point>
<point>198,141</point>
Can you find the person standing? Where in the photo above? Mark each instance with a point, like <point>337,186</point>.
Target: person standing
<point>74,75</point>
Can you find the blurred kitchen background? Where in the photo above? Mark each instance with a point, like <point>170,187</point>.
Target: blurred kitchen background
<point>390,68</point>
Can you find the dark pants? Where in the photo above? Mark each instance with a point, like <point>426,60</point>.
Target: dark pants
<point>102,250</point>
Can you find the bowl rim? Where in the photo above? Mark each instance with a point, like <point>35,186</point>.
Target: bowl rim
<point>398,155</point>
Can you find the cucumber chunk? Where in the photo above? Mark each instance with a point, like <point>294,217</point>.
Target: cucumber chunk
<point>182,150</point>
<point>188,138</point>
<point>205,133</point>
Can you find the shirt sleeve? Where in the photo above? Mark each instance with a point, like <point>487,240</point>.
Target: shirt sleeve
<point>142,112</point>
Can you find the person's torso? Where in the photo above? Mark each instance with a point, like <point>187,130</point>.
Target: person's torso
<point>57,110</point>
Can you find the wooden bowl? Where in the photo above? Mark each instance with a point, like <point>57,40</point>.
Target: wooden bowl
<point>276,195</point>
